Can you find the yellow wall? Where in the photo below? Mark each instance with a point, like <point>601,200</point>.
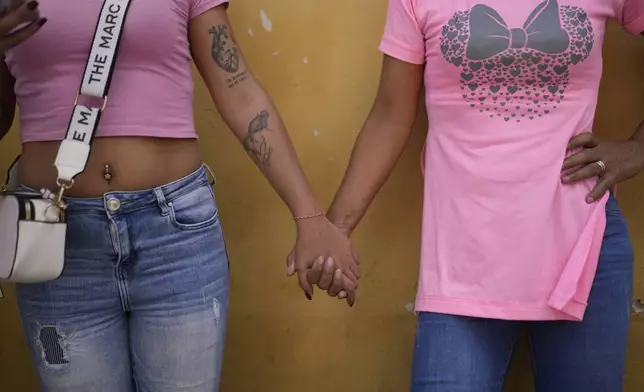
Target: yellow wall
<point>320,63</point>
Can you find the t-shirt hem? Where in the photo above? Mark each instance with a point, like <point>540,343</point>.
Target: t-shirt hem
<point>501,311</point>
<point>208,5</point>
<point>572,306</point>
<point>55,136</point>
<point>393,48</point>
<point>636,26</point>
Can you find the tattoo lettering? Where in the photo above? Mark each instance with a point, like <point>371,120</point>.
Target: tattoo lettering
<point>226,56</point>
<point>237,79</point>
<point>255,143</point>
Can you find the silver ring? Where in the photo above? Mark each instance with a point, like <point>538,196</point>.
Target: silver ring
<point>601,165</point>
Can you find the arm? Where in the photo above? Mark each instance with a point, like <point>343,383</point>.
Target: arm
<point>27,12</point>
<point>250,114</point>
<point>7,99</point>
<point>248,110</point>
<point>380,142</point>
<point>611,162</point>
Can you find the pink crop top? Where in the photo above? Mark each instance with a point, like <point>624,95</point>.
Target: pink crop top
<point>152,90</point>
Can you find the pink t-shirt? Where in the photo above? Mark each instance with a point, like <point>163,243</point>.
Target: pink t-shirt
<point>152,91</point>
<point>507,84</point>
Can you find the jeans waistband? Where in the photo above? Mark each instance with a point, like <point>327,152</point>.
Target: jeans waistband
<point>120,202</point>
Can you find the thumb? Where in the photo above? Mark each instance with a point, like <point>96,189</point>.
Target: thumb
<point>290,264</point>
<point>305,285</point>
<point>351,298</point>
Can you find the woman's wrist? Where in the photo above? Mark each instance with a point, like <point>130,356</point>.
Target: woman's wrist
<point>310,216</point>
<point>344,222</point>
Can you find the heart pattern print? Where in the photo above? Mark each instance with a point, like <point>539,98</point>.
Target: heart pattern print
<point>522,73</point>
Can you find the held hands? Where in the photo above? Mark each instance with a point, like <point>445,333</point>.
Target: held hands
<point>11,18</point>
<point>611,161</point>
<point>323,255</point>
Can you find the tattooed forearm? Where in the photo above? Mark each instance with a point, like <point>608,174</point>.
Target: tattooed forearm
<point>255,142</point>
<point>226,55</point>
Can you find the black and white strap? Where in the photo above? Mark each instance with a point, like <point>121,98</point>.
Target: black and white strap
<point>75,148</point>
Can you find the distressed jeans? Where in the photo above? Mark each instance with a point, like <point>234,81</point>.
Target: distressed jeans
<point>464,354</point>
<point>143,299</point>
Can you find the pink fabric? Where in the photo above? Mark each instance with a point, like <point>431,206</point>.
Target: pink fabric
<point>507,84</point>
<point>152,91</point>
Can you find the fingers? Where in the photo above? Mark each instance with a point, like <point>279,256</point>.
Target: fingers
<point>336,286</point>
<point>17,37</point>
<point>586,139</point>
<point>313,276</point>
<point>356,256</point>
<point>290,263</point>
<point>355,268</point>
<point>347,282</point>
<point>349,285</point>
<point>600,189</point>
<point>27,12</point>
<point>586,156</point>
<point>587,171</point>
<point>327,274</point>
<point>351,298</point>
<point>305,285</point>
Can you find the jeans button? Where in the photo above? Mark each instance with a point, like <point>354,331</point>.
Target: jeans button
<point>113,205</point>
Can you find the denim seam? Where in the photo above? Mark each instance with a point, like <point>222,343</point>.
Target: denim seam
<point>507,364</point>
<point>534,366</point>
<point>186,189</point>
<point>194,226</point>
<point>175,194</point>
<point>118,272</point>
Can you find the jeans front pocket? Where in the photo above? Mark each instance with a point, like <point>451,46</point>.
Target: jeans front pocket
<point>195,209</point>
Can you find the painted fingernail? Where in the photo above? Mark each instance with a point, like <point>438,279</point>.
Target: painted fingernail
<point>42,21</point>
<point>589,200</point>
<point>32,5</point>
<point>308,296</point>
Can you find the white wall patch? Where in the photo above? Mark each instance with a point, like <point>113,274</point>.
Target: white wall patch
<point>266,23</point>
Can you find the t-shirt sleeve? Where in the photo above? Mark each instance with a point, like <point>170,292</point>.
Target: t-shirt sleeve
<point>632,17</point>
<point>403,37</point>
<point>198,7</point>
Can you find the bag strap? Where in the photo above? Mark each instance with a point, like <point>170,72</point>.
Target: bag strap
<point>75,148</point>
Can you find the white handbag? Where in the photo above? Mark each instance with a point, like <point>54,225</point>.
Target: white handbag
<point>32,224</point>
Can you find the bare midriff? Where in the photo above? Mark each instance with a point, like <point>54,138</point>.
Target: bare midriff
<point>134,163</point>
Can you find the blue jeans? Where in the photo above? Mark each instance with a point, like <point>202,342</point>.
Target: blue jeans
<point>143,299</point>
<point>464,354</point>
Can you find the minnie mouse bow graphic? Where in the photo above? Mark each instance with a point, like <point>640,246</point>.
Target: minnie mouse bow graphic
<point>517,73</point>
<point>490,34</point>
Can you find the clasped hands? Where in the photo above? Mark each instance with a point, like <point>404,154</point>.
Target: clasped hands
<point>324,256</point>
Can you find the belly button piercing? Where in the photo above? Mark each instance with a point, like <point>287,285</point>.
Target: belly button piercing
<point>108,173</point>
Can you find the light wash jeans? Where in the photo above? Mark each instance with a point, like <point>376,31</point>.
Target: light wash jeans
<point>143,299</point>
<point>466,354</point>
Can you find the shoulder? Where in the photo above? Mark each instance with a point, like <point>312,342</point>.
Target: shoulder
<point>628,13</point>
<point>198,7</point>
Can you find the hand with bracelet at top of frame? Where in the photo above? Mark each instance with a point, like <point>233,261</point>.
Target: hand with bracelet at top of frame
<point>324,256</point>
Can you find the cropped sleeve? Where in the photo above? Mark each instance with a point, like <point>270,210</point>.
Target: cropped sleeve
<point>403,37</point>
<point>632,17</point>
<point>198,7</point>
